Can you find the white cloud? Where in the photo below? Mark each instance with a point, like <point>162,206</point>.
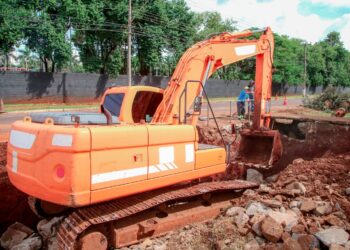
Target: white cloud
<point>342,3</point>
<point>282,16</point>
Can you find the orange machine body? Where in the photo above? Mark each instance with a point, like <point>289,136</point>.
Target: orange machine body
<point>78,165</point>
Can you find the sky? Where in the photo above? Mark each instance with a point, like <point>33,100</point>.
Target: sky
<point>310,20</point>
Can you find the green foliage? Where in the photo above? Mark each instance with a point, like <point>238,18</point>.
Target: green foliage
<point>161,32</point>
<point>288,60</point>
<point>11,26</point>
<point>329,100</point>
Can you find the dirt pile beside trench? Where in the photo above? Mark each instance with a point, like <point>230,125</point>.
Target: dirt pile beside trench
<point>305,203</point>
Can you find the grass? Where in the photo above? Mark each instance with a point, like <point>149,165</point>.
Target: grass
<point>47,106</point>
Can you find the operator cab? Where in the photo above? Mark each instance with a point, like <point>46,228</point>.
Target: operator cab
<point>132,104</point>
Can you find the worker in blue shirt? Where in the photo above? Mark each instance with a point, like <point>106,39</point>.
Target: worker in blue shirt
<point>242,98</point>
<point>251,96</point>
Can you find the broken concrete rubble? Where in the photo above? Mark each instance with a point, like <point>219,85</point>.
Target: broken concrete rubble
<point>254,176</point>
<point>14,235</point>
<point>307,206</point>
<point>33,242</point>
<point>333,235</point>
<point>256,207</point>
<point>271,230</point>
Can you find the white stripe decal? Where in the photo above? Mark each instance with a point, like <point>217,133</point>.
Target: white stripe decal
<point>162,167</point>
<point>118,175</point>
<point>189,150</point>
<point>128,173</point>
<point>21,139</point>
<point>153,169</point>
<point>245,50</point>
<point>62,140</point>
<point>14,161</point>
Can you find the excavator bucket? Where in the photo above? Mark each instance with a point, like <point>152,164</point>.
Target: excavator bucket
<point>258,147</point>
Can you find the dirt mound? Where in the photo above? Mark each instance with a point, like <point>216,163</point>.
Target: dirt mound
<point>307,198</point>
<point>13,203</point>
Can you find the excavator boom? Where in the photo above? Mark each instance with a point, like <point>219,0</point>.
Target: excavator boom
<point>203,59</point>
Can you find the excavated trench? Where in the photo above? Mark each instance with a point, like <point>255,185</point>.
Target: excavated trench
<point>302,137</point>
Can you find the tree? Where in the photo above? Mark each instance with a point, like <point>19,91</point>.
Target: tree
<point>46,32</point>
<point>288,60</point>
<point>336,61</point>
<point>12,24</point>
<point>100,35</point>
<point>211,23</point>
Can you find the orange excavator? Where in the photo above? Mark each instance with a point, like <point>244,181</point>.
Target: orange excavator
<point>128,157</point>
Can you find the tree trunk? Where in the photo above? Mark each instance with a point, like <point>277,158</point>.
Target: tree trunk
<point>53,67</point>
<point>46,65</point>
<point>6,60</point>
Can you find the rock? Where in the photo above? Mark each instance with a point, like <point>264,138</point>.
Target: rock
<point>227,128</point>
<point>14,235</point>
<point>51,244</point>
<point>299,228</point>
<point>249,192</point>
<point>252,245</point>
<point>33,242</point>
<point>48,229</point>
<point>347,191</point>
<point>241,219</point>
<point>232,211</point>
<point>146,243</point>
<point>307,241</point>
<point>256,207</point>
<point>336,247</point>
<point>227,241</point>
<point>160,247</point>
<point>260,240</point>
<point>272,203</point>
<point>279,198</point>
<point>282,210</point>
<point>271,230</point>
<point>302,177</point>
<point>347,245</point>
<point>285,236</point>
<point>272,178</point>
<point>323,208</point>
<point>294,204</point>
<point>256,218</point>
<point>254,176</point>
<point>256,223</point>
<point>291,244</point>
<point>307,206</point>
<point>297,186</point>
<point>264,188</point>
<point>334,220</point>
<point>289,218</point>
<point>243,230</point>
<point>333,235</point>
<point>298,161</point>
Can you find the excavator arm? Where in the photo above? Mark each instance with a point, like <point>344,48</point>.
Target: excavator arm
<point>258,146</point>
<point>200,61</point>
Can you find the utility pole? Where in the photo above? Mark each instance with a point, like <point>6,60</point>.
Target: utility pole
<point>71,45</point>
<point>304,90</point>
<point>129,44</point>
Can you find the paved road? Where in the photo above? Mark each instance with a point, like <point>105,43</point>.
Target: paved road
<point>220,108</point>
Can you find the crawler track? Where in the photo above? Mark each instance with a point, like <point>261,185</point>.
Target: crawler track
<point>81,219</point>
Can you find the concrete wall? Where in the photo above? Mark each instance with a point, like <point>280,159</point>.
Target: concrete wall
<point>21,87</point>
